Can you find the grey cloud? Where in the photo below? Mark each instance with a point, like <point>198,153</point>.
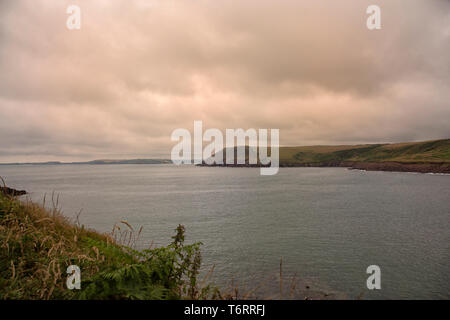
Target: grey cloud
<point>135,72</point>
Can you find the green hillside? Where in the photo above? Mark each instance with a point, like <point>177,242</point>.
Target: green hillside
<point>426,157</point>
<point>412,152</point>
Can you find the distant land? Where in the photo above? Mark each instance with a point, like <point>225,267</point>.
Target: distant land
<point>99,162</point>
<point>426,156</point>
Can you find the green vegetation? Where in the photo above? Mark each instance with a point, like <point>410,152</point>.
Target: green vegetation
<point>425,157</point>
<point>37,245</point>
<point>426,152</point>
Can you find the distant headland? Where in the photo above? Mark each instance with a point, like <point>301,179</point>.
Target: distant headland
<point>425,157</point>
<point>99,162</point>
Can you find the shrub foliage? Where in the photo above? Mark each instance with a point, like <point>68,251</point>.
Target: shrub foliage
<point>37,245</point>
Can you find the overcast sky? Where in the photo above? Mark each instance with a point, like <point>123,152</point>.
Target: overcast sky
<point>137,70</point>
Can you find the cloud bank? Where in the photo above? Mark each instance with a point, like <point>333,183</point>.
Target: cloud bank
<point>137,70</point>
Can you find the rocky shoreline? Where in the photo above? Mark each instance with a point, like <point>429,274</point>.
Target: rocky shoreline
<point>403,167</point>
<point>420,167</point>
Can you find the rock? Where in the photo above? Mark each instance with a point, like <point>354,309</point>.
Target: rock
<point>12,192</point>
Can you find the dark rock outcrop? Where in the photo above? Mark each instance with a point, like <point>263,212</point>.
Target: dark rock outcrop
<point>431,167</point>
<point>12,192</point>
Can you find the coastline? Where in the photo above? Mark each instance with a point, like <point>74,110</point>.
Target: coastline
<point>421,157</point>
<point>389,166</point>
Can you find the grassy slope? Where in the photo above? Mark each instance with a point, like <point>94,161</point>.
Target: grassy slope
<point>423,152</point>
<point>37,246</point>
<point>427,152</point>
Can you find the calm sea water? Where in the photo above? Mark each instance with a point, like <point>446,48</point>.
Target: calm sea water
<point>327,225</point>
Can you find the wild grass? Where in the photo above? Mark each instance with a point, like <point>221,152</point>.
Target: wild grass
<point>37,245</point>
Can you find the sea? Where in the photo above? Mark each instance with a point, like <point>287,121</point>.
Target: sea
<point>304,233</point>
